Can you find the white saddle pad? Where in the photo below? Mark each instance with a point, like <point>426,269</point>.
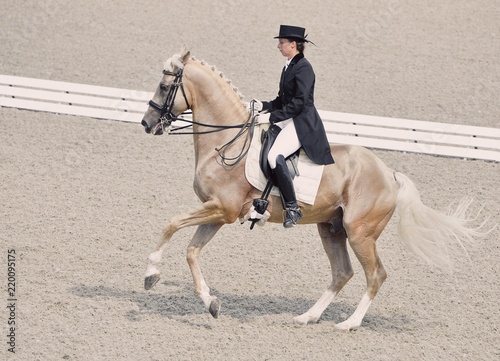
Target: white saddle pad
<point>306,185</point>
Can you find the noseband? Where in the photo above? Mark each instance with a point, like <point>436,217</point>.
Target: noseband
<point>166,115</point>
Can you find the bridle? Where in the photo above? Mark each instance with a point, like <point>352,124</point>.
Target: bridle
<point>166,116</point>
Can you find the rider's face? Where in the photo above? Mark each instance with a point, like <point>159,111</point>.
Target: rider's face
<point>287,48</point>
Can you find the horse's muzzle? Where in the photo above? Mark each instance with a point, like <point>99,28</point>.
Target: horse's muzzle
<point>146,126</point>
<point>156,130</point>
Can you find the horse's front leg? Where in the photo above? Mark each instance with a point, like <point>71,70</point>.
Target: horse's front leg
<point>208,212</point>
<point>203,235</point>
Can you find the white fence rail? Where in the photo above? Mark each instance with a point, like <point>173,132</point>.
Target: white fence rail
<point>444,139</point>
<point>370,131</point>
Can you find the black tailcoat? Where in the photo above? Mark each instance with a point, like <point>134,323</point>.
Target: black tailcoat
<point>296,100</point>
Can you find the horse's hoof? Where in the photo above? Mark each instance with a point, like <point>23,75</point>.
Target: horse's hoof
<point>343,328</point>
<point>303,320</point>
<point>150,281</point>
<point>214,308</point>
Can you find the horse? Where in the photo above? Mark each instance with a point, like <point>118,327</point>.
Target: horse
<point>357,196</point>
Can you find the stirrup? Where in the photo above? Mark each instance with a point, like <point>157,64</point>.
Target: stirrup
<point>260,205</point>
<point>291,217</point>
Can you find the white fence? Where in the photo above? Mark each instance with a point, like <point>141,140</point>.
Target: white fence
<point>444,139</point>
<point>370,131</point>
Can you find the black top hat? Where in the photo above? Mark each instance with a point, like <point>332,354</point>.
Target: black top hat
<point>292,32</point>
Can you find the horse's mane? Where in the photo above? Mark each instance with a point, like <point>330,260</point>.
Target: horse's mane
<point>175,62</point>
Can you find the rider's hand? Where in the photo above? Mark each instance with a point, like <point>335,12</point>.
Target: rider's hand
<point>257,105</point>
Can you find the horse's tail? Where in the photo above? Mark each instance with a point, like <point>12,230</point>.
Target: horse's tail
<point>433,236</point>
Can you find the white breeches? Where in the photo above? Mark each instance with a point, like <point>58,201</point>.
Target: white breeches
<point>287,142</point>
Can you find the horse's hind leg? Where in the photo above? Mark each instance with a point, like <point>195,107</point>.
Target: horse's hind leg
<point>363,233</point>
<point>334,243</point>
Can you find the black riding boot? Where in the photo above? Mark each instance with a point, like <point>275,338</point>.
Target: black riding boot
<point>285,184</point>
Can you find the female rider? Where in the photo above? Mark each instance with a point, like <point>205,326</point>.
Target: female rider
<point>294,112</point>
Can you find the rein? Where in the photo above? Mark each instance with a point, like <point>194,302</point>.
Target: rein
<point>172,131</point>
<point>248,127</point>
<point>167,117</point>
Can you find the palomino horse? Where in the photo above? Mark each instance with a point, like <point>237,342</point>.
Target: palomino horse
<point>356,198</point>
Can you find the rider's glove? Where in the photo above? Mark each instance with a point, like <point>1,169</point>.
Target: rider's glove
<point>257,105</point>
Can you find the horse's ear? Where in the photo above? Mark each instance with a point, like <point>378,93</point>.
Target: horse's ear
<point>185,55</point>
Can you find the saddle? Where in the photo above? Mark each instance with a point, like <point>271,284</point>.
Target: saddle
<point>306,183</point>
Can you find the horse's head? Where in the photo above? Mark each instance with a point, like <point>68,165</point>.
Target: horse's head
<point>167,102</point>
